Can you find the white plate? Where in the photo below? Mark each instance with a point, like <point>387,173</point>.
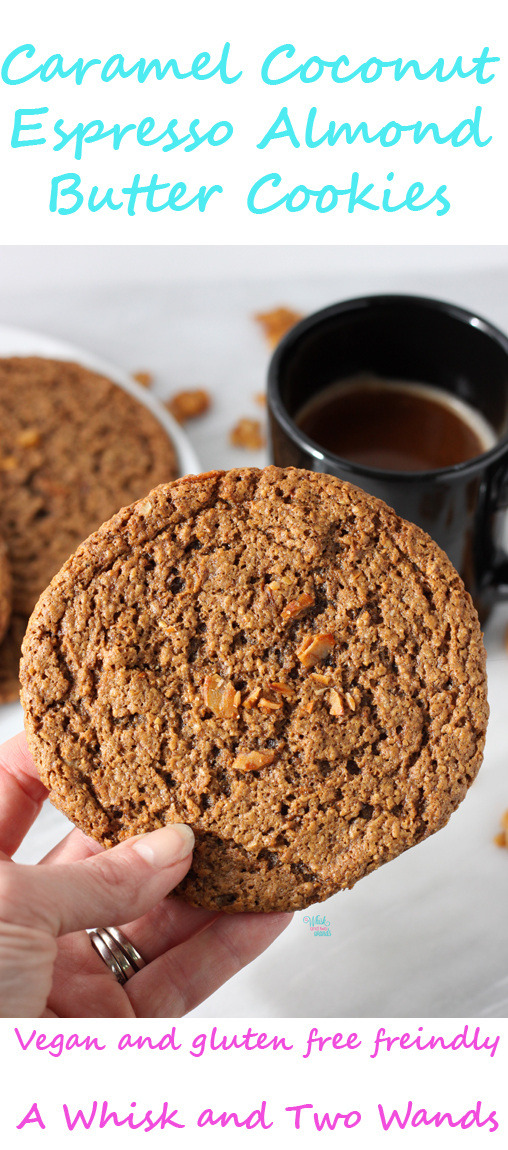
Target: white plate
<point>17,341</point>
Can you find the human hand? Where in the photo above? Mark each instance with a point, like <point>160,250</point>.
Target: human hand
<point>48,967</point>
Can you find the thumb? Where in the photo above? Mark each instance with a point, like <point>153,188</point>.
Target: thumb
<point>103,890</point>
<point>37,903</point>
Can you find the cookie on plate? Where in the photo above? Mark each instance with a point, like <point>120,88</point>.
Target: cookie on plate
<point>74,448</point>
<point>271,656</point>
<point>5,590</point>
<point>10,655</point>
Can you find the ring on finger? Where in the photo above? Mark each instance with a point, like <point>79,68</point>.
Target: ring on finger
<point>116,951</point>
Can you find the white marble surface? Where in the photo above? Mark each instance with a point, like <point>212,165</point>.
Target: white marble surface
<point>428,934</point>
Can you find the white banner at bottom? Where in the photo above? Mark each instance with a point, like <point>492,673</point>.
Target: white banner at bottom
<point>244,1082</point>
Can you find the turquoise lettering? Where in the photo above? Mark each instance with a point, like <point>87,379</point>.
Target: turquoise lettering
<point>26,50</point>
<point>178,191</point>
<point>83,133</point>
<point>358,198</point>
<point>272,178</point>
<point>291,198</point>
<point>335,70</point>
<point>334,199</point>
<point>70,191</point>
<point>107,201</point>
<point>480,62</point>
<point>118,134</point>
<point>223,71</point>
<point>473,133</point>
<point>146,126</point>
<point>19,126</point>
<point>274,134</point>
<point>204,195</point>
<point>372,69</point>
<point>320,67</point>
<point>115,67</point>
<point>175,140</point>
<point>378,69</point>
<point>155,187</point>
<point>133,192</point>
<point>287,50</point>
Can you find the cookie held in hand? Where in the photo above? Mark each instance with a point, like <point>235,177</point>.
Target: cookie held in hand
<point>273,657</point>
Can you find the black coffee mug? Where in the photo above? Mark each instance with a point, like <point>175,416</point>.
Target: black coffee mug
<point>408,338</point>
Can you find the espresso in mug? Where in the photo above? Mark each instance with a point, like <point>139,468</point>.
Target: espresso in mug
<point>396,426</point>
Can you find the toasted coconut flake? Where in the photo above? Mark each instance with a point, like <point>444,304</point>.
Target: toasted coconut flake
<point>277,322</point>
<point>337,707</point>
<point>314,648</point>
<point>220,697</point>
<point>30,437</point>
<point>252,699</point>
<point>502,839</point>
<point>281,689</point>
<point>145,378</point>
<point>253,760</point>
<point>265,705</point>
<point>188,404</point>
<point>297,607</point>
<point>247,433</point>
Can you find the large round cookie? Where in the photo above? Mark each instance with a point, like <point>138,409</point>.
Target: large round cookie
<point>5,590</point>
<point>271,656</point>
<point>74,448</point>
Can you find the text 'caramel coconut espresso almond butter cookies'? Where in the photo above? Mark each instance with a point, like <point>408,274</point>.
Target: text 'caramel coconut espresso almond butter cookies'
<point>271,656</point>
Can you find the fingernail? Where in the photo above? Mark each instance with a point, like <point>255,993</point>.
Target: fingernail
<point>166,846</point>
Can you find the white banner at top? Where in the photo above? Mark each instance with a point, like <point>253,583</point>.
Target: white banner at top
<point>277,123</point>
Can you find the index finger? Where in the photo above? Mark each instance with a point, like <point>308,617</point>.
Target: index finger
<point>21,793</point>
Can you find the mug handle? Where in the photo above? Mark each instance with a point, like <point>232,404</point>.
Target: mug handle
<point>495,501</point>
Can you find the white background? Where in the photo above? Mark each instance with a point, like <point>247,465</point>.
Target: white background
<point>474,177</point>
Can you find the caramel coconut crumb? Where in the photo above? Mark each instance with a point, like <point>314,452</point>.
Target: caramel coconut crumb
<point>247,433</point>
<point>297,607</point>
<point>502,839</point>
<point>220,697</point>
<point>282,689</point>
<point>314,648</point>
<point>145,378</point>
<point>252,699</point>
<point>277,322</point>
<point>266,705</point>
<point>337,707</point>
<point>188,404</point>
<point>30,437</point>
<point>253,760</point>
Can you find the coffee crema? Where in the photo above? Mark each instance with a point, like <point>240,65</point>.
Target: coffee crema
<point>396,426</point>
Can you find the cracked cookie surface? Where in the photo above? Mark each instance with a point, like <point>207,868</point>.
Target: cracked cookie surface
<point>74,448</point>
<point>273,657</point>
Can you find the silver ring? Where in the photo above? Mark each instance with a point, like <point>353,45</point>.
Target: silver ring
<point>119,955</point>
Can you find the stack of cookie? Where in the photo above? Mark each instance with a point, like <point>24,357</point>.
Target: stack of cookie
<point>74,448</point>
